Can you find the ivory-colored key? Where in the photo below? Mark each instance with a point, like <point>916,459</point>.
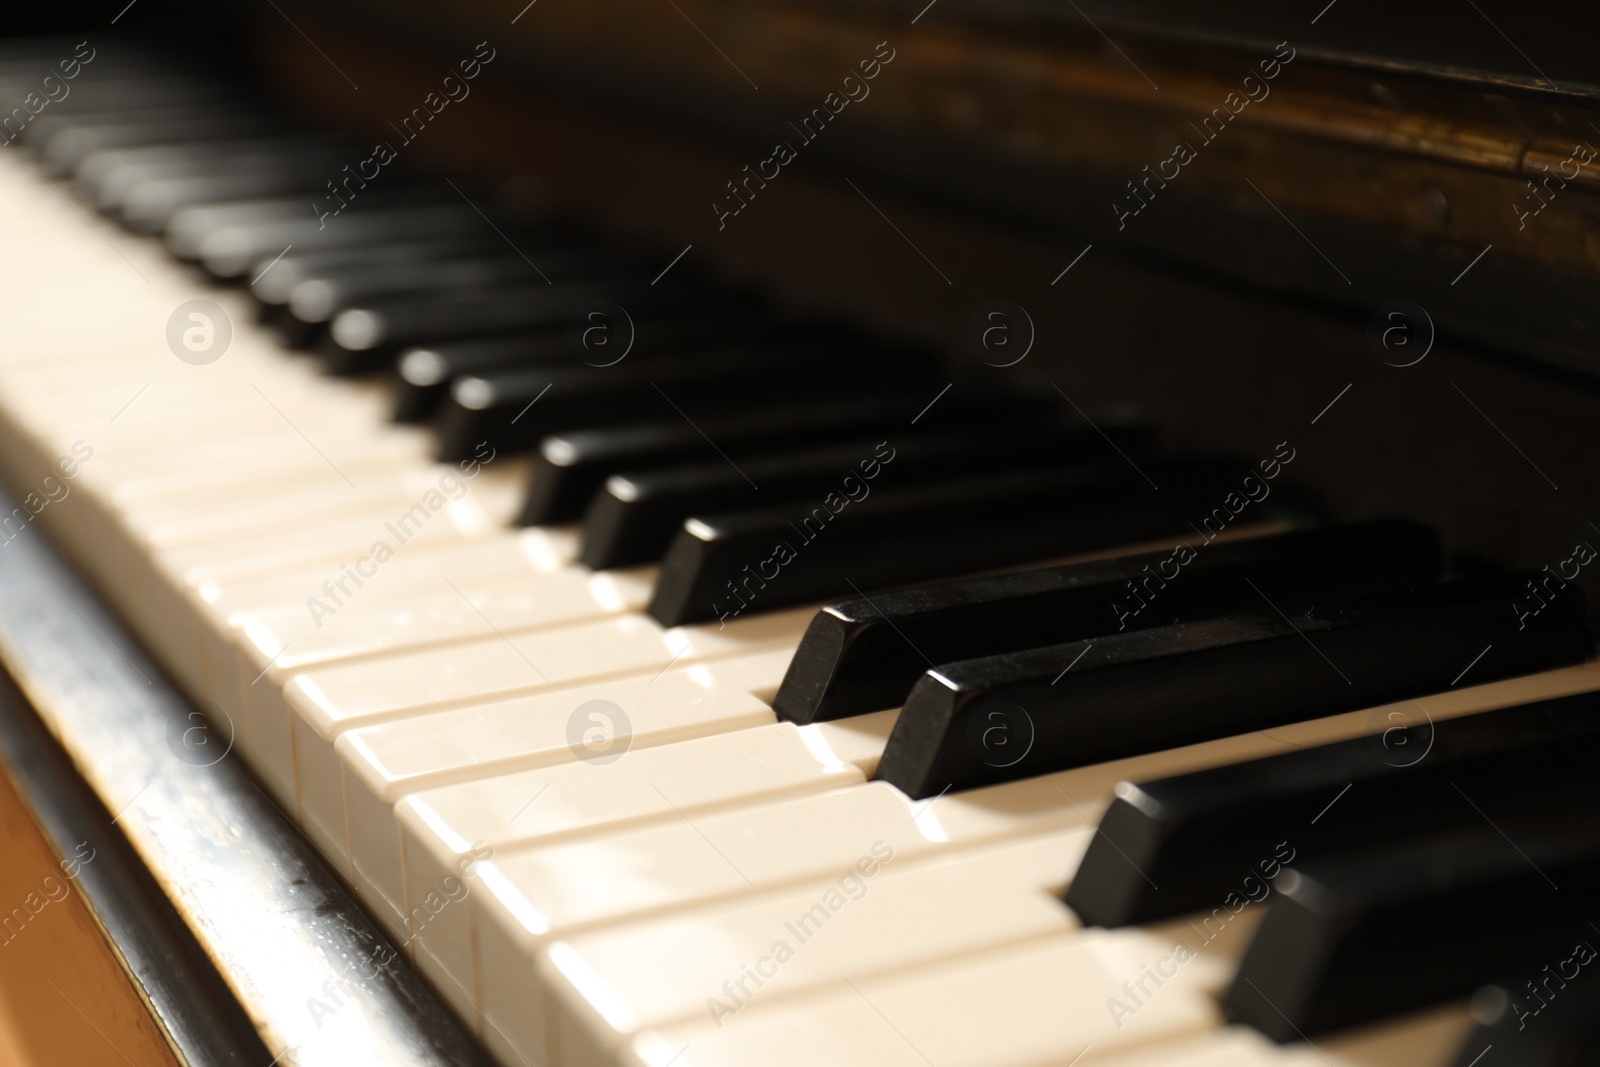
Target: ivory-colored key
<point>474,746</point>
<point>528,899</point>
<point>869,921</point>
<point>366,577</point>
<point>1029,1006</point>
<point>319,705</point>
<point>539,730</point>
<point>444,830</point>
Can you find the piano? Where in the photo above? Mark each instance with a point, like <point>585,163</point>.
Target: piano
<point>799,533</point>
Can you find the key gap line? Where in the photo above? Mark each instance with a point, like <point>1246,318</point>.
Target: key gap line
<point>488,622</point>
<point>703,837</point>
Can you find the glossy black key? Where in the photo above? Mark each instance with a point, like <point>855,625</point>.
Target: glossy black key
<point>423,375</point>
<point>514,410</point>
<point>291,268</point>
<point>1188,843</point>
<point>1125,694</point>
<point>373,335</point>
<point>1544,1018</point>
<point>1417,924</point>
<point>721,566</point>
<point>64,145</point>
<point>319,297</point>
<point>636,515</point>
<point>865,653</point>
<point>569,468</point>
<point>230,251</point>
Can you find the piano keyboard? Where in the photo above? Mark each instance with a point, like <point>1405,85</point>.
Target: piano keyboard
<point>779,732</point>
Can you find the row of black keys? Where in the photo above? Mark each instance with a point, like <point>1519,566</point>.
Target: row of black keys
<point>1018,687</point>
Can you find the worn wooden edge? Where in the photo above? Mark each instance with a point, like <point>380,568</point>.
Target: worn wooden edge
<point>246,946</point>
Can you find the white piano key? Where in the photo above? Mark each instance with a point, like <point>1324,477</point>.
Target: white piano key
<point>536,730</point>
<point>1029,1006</point>
<point>319,705</point>
<point>444,830</point>
<point>502,554</point>
<point>473,746</point>
<point>868,921</point>
<point>528,899</point>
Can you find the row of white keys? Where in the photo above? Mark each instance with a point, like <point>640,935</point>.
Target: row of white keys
<point>574,799</point>
<point>670,704</point>
<point>527,899</point>
<point>871,919</point>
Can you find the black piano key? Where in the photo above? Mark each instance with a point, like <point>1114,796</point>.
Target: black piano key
<point>1549,1017</point>
<point>636,515</point>
<point>229,251</point>
<point>569,468</point>
<point>865,653</point>
<point>193,227</point>
<point>1417,924</point>
<point>720,566</point>
<point>63,144</point>
<point>423,375</point>
<point>147,205</point>
<point>107,175</point>
<point>514,410</point>
<point>1125,694</point>
<point>319,298</point>
<point>1182,844</point>
<point>372,335</point>
<point>289,269</point>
